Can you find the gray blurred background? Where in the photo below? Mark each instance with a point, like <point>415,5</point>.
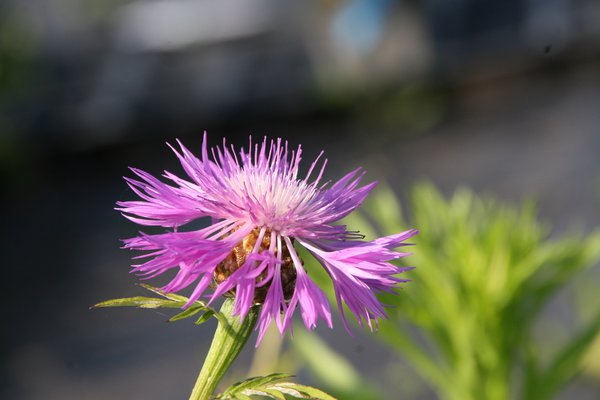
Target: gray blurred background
<point>503,96</point>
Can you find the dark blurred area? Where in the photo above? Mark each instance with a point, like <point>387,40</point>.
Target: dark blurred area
<point>502,96</point>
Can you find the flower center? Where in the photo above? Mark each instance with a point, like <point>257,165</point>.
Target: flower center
<point>238,255</point>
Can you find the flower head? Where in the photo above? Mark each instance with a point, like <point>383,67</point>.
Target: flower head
<point>260,209</point>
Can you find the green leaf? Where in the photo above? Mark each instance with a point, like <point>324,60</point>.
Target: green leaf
<point>188,312</point>
<point>270,386</point>
<point>169,300</point>
<point>272,394</point>
<point>205,316</point>
<point>308,391</point>
<point>241,396</point>
<point>256,382</point>
<point>170,296</point>
<point>567,362</point>
<point>139,301</point>
<point>484,272</point>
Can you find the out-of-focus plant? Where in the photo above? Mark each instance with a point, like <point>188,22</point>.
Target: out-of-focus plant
<point>485,271</point>
<point>332,369</point>
<point>17,63</point>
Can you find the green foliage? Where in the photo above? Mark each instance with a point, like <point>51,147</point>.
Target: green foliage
<point>485,271</point>
<point>271,387</point>
<point>168,300</point>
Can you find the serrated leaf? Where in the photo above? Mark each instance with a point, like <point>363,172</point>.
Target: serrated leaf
<point>256,382</point>
<point>237,396</point>
<point>266,392</point>
<point>271,386</point>
<point>287,393</point>
<point>308,392</point>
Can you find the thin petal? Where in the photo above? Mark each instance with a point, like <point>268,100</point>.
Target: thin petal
<point>313,301</point>
<point>192,253</point>
<point>360,269</point>
<point>163,205</point>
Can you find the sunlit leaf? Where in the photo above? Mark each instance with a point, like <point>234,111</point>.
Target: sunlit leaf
<point>302,391</point>
<point>272,387</point>
<point>139,301</point>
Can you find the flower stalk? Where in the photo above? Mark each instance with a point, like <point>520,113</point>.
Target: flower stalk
<point>229,340</point>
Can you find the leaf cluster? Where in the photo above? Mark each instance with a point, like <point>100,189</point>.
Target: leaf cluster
<point>485,271</point>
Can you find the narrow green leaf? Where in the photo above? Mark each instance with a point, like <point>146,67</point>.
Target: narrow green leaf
<point>256,382</point>
<point>531,373</point>
<point>271,386</point>
<point>237,396</point>
<point>188,312</point>
<point>222,319</point>
<point>285,393</point>
<point>169,301</point>
<point>170,296</point>
<point>139,301</point>
<point>567,362</point>
<point>484,272</point>
<point>309,391</point>
<point>271,392</point>
<point>205,316</point>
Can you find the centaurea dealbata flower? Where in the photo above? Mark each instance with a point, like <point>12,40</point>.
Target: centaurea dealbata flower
<point>260,209</point>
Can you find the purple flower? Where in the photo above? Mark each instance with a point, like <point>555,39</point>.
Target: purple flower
<point>259,208</point>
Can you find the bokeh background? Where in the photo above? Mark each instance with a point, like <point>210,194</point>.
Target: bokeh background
<point>500,96</point>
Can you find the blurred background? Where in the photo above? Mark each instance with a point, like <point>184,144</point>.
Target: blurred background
<point>500,96</point>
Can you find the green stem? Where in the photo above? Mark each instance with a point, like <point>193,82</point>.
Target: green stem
<point>230,338</point>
